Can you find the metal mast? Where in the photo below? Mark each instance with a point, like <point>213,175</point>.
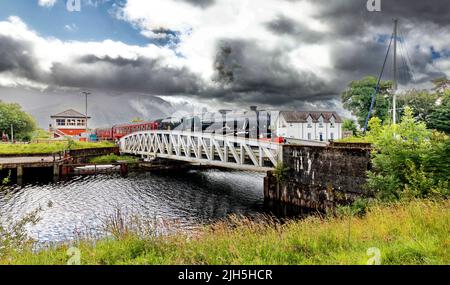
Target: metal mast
<point>86,93</point>
<point>394,104</point>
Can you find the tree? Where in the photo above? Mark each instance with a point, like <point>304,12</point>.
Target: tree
<point>422,102</point>
<point>349,125</point>
<point>439,119</point>
<point>358,96</point>
<point>441,84</point>
<point>12,115</point>
<point>410,161</point>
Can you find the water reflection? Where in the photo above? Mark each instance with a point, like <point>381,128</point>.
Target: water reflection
<point>81,203</point>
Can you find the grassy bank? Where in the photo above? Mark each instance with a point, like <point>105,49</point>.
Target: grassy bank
<point>416,232</point>
<point>46,148</point>
<point>112,158</point>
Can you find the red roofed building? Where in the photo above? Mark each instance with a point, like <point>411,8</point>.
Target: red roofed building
<point>68,123</point>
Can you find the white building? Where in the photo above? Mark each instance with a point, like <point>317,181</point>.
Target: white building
<point>68,123</point>
<point>304,125</point>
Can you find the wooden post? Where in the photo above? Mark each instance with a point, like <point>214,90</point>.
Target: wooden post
<point>19,174</point>
<point>56,169</point>
<point>123,169</point>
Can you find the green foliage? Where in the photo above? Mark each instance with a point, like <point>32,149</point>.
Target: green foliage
<point>349,125</point>
<point>71,144</point>
<point>112,158</point>
<point>14,237</point>
<point>409,158</point>
<point>357,208</point>
<point>281,171</point>
<point>41,134</point>
<point>5,180</point>
<point>49,148</point>
<point>422,103</point>
<point>440,118</point>
<point>23,124</point>
<point>374,129</point>
<point>358,96</point>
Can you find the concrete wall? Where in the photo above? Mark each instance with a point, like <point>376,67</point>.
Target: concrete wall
<point>320,177</point>
<point>83,155</point>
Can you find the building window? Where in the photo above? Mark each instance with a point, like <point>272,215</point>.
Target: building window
<point>321,137</point>
<point>332,125</point>
<point>309,136</point>
<point>60,122</point>
<point>81,123</point>
<point>321,123</point>
<point>71,122</point>
<point>309,123</point>
<point>332,136</point>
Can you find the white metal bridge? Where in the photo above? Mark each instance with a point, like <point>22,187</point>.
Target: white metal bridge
<point>204,148</point>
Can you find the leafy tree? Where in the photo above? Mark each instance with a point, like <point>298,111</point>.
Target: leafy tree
<point>410,161</point>
<point>439,119</point>
<point>422,102</point>
<point>349,125</point>
<point>12,115</point>
<point>358,96</point>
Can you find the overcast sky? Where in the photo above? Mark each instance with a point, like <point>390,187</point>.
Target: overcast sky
<point>217,53</point>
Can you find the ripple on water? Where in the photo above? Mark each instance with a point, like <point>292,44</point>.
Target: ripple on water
<point>82,203</point>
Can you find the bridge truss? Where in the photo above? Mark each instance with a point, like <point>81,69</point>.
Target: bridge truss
<point>203,148</point>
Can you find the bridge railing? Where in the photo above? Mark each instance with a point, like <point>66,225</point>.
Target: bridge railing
<point>204,148</point>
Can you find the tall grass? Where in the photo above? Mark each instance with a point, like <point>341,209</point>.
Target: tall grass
<point>416,232</point>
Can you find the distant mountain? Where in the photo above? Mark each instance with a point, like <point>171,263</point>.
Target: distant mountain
<point>105,108</point>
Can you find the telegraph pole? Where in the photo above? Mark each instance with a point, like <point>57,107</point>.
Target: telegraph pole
<point>394,104</point>
<point>86,93</point>
<point>12,133</point>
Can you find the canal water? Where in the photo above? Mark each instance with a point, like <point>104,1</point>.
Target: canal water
<point>81,204</point>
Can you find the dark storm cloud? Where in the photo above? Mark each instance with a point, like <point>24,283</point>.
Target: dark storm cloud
<point>17,57</point>
<point>286,26</point>
<point>246,72</point>
<point>350,17</point>
<point>356,48</point>
<point>249,73</point>
<point>121,74</point>
<point>200,3</point>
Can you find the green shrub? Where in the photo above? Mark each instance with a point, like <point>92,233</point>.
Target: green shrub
<point>409,160</point>
<point>281,172</point>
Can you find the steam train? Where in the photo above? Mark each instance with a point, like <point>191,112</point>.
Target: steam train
<point>238,126</point>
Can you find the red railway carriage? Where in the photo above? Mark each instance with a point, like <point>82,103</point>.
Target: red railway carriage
<point>119,131</point>
<point>104,134</point>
